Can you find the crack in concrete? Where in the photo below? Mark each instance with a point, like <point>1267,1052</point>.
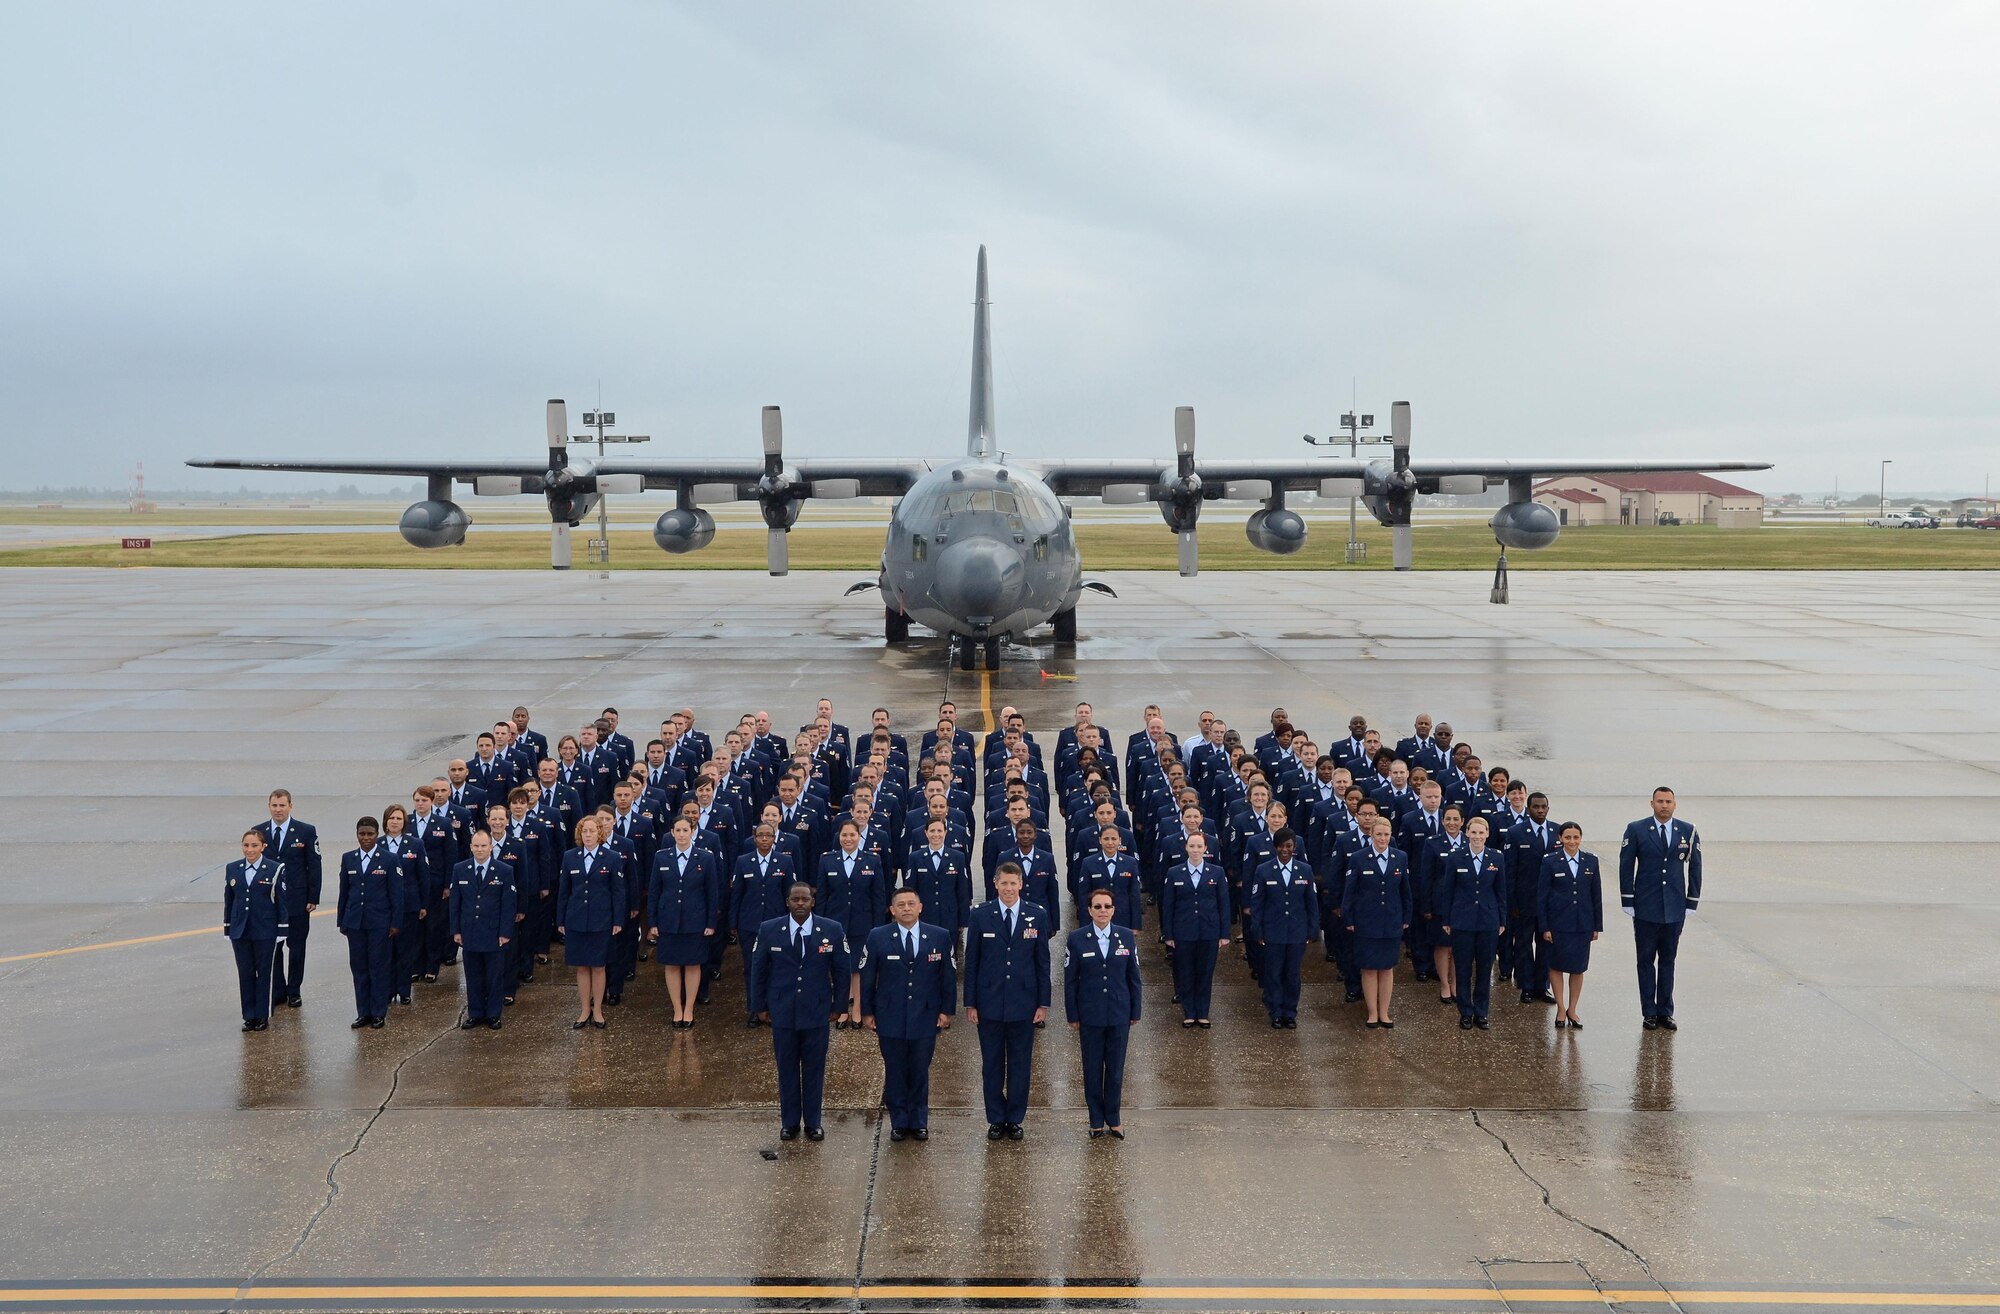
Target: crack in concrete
<point>1548,1203</point>
<point>333,1169</point>
<point>867,1218</point>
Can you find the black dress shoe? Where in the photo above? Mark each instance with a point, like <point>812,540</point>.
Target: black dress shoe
<point>1354,996</point>
<point>788,1133</point>
<point>1202,1023</point>
<point>251,1025</point>
<point>995,1130</point>
<point>1277,1025</point>
<point>430,977</point>
<point>1450,1000</point>
<point>1291,1024</point>
<point>751,1022</point>
<point>361,1022</point>
<point>1371,1025</point>
<point>377,1023</point>
<point>1527,997</point>
<point>1561,1024</point>
<point>492,1024</point>
<point>470,1023</point>
<point>579,1024</point>
<point>613,1001</point>
<point>541,958</point>
<point>1575,1025</point>
<point>451,961</point>
<point>897,1133</point>
<point>701,999</point>
<point>1652,1024</point>
<point>1482,1024</point>
<point>263,1024</point>
<point>508,1000</point>
<point>1465,1024</point>
<point>404,1000</point>
<point>1015,1132</point>
<point>815,1133</point>
<point>294,1002</point>
<point>1546,997</point>
<point>1668,1024</point>
<point>1096,1133</point>
<point>921,1133</point>
<point>1187,1024</point>
<point>1039,1025</point>
<point>1117,1133</point>
<point>599,1023</point>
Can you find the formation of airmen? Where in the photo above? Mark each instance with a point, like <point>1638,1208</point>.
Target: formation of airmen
<point>845,870</point>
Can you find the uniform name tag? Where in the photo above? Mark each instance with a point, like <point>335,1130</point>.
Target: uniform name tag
<point>1090,953</point>
<point>987,934</point>
<point>892,958</point>
<point>777,948</point>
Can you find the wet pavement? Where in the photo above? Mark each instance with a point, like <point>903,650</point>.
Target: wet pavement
<point>1825,1122</point>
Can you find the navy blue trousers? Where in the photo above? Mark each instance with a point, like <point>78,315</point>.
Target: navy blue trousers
<point>1104,1071</point>
<point>1529,963</point>
<point>1281,964</point>
<point>254,961</point>
<point>288,973</point>
<point>410,948</point>
<point>369,956</point>
<point>486,982</point>
<point>1007,1057</point>
<point>1658,943</point>
<point>1194,975</point>
<point>906,1079</point>
<point>801,1053</point>
<point>438,945</point>
<point>1472,954</point>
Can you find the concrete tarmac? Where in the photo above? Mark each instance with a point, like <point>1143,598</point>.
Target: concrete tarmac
<point>1821,1132</point>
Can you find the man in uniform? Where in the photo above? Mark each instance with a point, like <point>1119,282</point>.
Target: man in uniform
<point>483,923</point>
<point>1284,919</point>
<point>798,984</point>
<point>371,908</point>
<point>294,845</point>
<point>909,990</point>
<point>1007,994</point>
<point>1659,884</point>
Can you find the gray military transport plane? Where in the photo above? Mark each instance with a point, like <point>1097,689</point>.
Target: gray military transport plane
<point>980,548</point>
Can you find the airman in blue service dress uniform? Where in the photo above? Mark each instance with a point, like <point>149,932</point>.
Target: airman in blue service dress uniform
<point>1377,902</point>
<point>799,984</point>
<point>1284,919</point>
<point>294,845</point>
<point>1659,884</point>
<point>1470,894</point>
<point>1101,998</point>
<point>1570,911</point>
<point>909,990</point>
<point>372,908</point>
<point>482,907</point>
<point>685,910</point>
<point>254,908</point>
<point>590,908</point>
<point>757,894</point>
<point>1194,921</point>
<point>1007,991</point>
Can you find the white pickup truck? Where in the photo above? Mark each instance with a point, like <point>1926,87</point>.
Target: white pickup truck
<point>1897,520</point>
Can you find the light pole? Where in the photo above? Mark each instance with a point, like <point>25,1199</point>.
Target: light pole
<point>599,548</point>
<point>1356,426</point>
<point>1882,494</point>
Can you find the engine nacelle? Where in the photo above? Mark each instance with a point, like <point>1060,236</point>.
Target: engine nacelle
<point>434,524</point>
<point>1526,525</point>
<point>1277,530</point>
<point>684,529</point>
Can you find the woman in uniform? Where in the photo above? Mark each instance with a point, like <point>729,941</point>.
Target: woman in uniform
<point>413,937</point>
<point>1430,879</point>
<point>1375,904</point>
<point>590,903</point>
<point>684,907</point>
<point>1570,911</point>
<point>1101,1002</point>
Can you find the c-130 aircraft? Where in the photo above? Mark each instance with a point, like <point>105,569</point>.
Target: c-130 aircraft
<point>979,548</point>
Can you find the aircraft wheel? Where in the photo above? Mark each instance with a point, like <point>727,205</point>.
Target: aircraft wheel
<point>895,625</point>
<point>993,654</point>
<point>968,652</point>
<point>1065,623</point>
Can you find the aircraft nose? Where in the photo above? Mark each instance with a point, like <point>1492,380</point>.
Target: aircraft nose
<point>978,580</point>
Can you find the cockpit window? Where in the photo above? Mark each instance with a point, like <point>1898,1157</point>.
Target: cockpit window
<point>982,499</point>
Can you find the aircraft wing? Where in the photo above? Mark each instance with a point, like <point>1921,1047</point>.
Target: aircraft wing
<point>869,478</point>
<point>1298,475</point>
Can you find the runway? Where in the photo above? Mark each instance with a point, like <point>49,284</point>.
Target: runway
<point>1822,1132</point>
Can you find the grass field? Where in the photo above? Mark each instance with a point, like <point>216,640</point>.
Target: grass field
<point>1105,547</point>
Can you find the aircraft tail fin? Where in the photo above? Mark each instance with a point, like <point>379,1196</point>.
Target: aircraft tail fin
<point>979,438</point>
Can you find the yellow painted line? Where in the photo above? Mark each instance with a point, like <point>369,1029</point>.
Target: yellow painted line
<point>281,1293</point>
<point>986,699</point>
<point>126,944</point>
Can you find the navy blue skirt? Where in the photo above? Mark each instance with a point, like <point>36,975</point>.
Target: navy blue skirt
<point>1375,954</point>
<point>681,950</point>
<point>587,948</point>
<point>1569,951</point>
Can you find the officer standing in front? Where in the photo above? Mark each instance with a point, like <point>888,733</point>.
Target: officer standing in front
<point>909,990</point>
<point>798,985</point>
<point>1659,884</point>
<point>1471,902</point>
<point>372,908</point>
<point>254,908</point>
<point>295,846</point>
<point>482,907</point>
<point>1194,921</point>
<point>1007,994</point>
<point>1101,995</point>
<point>1570,912</point>
<point>1284,919</point>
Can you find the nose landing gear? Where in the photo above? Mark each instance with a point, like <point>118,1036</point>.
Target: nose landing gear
<point>965,652</point>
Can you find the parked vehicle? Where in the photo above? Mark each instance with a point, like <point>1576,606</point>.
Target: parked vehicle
<point>1898,520</point>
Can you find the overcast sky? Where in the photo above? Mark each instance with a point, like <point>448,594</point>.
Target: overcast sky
<point>1761,231</point>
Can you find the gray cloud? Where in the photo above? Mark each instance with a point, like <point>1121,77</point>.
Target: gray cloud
<point>1561,230</point>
